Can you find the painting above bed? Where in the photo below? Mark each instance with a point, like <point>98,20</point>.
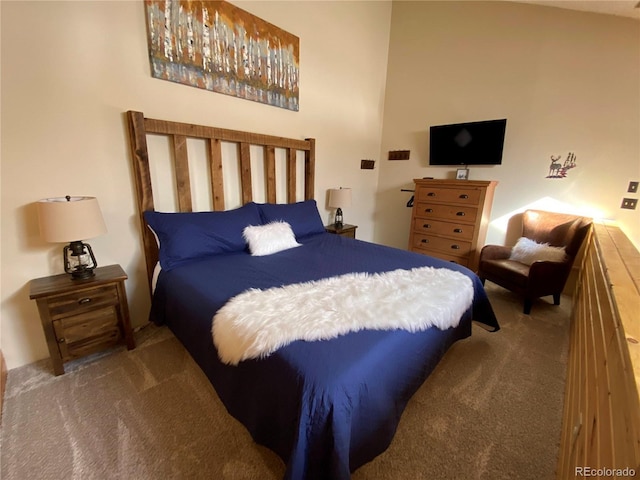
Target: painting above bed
<point>217,46</point>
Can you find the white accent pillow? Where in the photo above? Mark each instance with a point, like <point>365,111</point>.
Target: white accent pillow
<point>270,238</point>
<point>528,251</point>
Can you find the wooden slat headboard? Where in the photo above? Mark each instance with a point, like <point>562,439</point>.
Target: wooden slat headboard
<point>178,133</point>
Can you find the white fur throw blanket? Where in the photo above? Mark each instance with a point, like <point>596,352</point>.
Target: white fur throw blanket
<point>256,323</point>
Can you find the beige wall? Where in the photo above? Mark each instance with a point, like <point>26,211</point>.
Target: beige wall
<point>70,70</point>
<point>566,81</point>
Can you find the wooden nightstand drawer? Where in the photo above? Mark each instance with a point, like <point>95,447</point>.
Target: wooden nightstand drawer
<point>437,227</point>
<point>87,333</point>
<point>82,300</point>
<point>463,196</point>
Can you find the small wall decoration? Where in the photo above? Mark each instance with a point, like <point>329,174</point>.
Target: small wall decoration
<point>399,154</point>
<point>559,169</point>
<point>219,47</point>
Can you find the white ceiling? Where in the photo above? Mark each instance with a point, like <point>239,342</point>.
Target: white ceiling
<point>624,8</point>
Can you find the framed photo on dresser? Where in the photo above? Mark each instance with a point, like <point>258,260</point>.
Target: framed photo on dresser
<point>462,174</point>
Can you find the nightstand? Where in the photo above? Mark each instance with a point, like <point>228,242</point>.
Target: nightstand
<point>81,317</point>
<point>345,231</point>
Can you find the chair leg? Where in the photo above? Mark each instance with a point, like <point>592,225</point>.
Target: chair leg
<point>527,306</point>
<point>556,299</point>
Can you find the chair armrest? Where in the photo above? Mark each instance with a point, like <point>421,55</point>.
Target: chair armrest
<point>546,278</point>
<point>495,252</point>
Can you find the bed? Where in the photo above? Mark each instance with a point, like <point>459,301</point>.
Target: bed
<point>325,406</point>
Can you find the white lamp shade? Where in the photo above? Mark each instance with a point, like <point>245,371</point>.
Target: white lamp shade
<point>70,219</point>
<point>339,197</point>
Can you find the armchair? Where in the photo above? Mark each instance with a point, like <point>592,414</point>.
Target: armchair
<point>541,278</point>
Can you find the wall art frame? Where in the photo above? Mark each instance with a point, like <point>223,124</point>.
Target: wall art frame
<point>217,46</point>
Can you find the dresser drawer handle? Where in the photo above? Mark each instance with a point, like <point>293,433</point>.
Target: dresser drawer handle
<point>84,300</point>
<point>431,194</point>
<point>428,210</point>
<point>457,230</point>
<point>426,225</point>
<point>425,240</point>
<point>464,195</point>
<point>455,247</point>
<point>460,214</point>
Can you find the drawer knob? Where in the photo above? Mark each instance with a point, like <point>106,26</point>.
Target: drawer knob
<point>428,210</point>
<point>431,194</point>
<point>464,195</point>
<point>425,240</point>
<point>61,340</point>
<point>457,230</point>
<point>84,300</point>
<point>455,247</point>
<point>460,214</point>
<point>426,225</point>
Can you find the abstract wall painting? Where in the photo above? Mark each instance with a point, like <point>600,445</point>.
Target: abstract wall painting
<point>217,46</point>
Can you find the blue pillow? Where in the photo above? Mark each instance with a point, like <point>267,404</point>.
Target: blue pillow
<point>188,236</point>
<point>303,217</point>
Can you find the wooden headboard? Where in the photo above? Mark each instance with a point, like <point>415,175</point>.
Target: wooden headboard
<point>178,133</point>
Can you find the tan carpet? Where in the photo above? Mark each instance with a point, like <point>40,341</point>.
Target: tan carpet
<point>491,410</point>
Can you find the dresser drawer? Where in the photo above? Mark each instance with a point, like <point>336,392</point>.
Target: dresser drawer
<point>445,245</point>
<point>446,212</point>
<point>437,227</point>
<point>463,196</point>
<point>464,261</point>
<point>82,300</point>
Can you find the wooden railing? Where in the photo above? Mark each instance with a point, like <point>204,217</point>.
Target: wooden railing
<point>601,422</point>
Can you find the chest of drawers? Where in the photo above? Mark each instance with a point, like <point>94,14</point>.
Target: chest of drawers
<point>450,219</point>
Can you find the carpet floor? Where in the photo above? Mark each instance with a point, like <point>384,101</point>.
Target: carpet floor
<point>491,409</point>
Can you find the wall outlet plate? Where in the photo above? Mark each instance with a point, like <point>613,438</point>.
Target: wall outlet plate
<point>633,187</point>
<point>629,203</point>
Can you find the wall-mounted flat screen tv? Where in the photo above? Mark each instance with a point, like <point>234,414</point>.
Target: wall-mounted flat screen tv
<point>471,143</point>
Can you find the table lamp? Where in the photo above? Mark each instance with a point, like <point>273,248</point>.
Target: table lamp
<point>72,219</point>
<point>339,198</point>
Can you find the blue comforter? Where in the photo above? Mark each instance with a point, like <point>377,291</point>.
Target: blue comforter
<point>324,407</point>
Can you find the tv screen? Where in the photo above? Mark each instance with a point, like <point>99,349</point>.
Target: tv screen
<point>472,143</point>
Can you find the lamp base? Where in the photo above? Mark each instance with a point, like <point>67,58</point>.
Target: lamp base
<point>339,219</point>
<point>82,273</point>
<point>79,260</point>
